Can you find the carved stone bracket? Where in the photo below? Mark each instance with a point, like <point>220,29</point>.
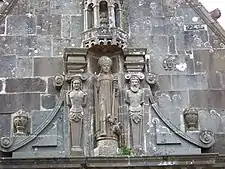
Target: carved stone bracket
<point>75,60</point>
<point>58,82</point>
<point>151,79</point>
<point>206,136</point>
<point>6,142</point>
<point>134,59</point>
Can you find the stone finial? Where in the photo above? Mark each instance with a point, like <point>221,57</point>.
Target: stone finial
<point>20,122</point>
<point>215,14</point>
<point>191,119</point>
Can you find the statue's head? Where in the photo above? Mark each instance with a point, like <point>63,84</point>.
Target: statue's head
<point>105,64</point>
<point>76,84</point>
<point>134,84</point>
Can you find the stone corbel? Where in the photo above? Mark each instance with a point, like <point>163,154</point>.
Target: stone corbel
<point>151,79</point>
<point>134,59</point>
<point>75,60</point>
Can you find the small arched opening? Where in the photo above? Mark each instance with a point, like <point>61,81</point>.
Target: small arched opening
<point>90,16</point>
<point>117,15</point>
<point>104,15</point>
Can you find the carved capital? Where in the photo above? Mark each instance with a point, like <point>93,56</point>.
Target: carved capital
<point>139,75</point>
<point>75,60</point>
<point>134,60</point>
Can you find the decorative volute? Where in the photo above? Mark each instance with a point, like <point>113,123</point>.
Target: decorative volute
<point>103,23</point>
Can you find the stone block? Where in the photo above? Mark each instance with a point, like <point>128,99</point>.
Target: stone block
<point>219,146</point>
<point>215,80</point>
<point>25,85</point>
<point>60,44</point>
<point>184,82</point>
<point>172,45</point>
<point>0,85</point>
<point>40,7</point>
<point>49,25</point>
<point>11,103</point>
<point>207,99</point>
<point>209,60</point>
<point>65,7</point>
<point>48,101</point>
<point>51,88</point>
<point>2,27</point>
<point>193,39</point>
<point>76,26</point>
<point>24,67</point>
<point>165,82</point>
<point>5,124</point>
<point>17,45</point>
<point>7,66</point>
<point>48,66</point>
<point>173,99</point>
<point>21,8</point>
<point>40,45</point>
<point>66,22</point>
<point>20,25</point>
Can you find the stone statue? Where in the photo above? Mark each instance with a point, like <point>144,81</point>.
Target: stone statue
<point>103,19</point>
<point>76,100</point>
<point>106,101</point>
<point>135,100</point>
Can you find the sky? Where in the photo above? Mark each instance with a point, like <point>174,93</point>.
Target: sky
<point>213,4</point>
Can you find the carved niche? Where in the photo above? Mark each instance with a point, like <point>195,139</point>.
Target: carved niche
<point>135,98</point>
<point>107,126</point>
<point>76,100</point>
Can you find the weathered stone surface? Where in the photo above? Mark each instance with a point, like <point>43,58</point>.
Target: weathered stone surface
<point>20,25</point>
<point>18,45</point>
<point>0,85</point>
<point>7,66</point>
<point>205,98</point>
<point>25,85</point>
<point>11,103</point>
<point>24,67</point>
<point>65,7</point>
<point>48,101</point>
<point>5,125</point>
<point>40,45</point>
<point>40,7</point>
<point>184,82</point>
<point>48,66</point>
<point>2,27</point>
<point>49,25</point>
<point>21,8</point>
<point>165,82</point>
<point>51,88</point>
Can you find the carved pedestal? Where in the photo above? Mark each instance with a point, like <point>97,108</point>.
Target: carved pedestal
<point>107,147</point>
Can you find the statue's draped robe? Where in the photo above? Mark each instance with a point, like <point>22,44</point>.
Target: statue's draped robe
<point>104,102</point>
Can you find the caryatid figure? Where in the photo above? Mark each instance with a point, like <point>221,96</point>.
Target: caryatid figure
<point>106,100</point>
<point>76,99</point>
<point>135,100</point>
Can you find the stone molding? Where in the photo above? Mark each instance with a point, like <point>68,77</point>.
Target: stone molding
<point>6,8</point>
<point>195,161</point>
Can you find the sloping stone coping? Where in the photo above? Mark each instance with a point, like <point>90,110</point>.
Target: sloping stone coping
<point>178,161</point>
